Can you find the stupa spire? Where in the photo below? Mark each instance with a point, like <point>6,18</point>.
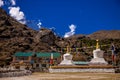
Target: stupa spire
<point>68,49</point>
<point>97,44</point>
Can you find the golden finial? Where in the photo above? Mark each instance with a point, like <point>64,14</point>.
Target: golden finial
<point>68,49</point>
<point>97,44</point>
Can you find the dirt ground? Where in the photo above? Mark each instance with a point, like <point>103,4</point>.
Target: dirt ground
<point>67,76</point>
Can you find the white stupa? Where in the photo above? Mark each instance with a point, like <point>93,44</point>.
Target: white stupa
<point>67,58</point>
<point>98,57</point>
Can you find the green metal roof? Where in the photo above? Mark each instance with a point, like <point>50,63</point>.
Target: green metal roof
<point>39,54</point>
<point>80,62</point>
<point>48,55</point>
<point>25,54</point>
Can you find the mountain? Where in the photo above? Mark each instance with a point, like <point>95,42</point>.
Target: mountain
<point>15,37</point>
<point>13,34</point>
<point>104,34</point>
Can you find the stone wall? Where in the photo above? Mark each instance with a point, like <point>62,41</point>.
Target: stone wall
<point>96,70</point>
<point>14,73</point>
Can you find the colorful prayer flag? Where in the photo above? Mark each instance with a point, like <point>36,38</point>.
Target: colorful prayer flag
<point>113,54</point>
<point>51,59</point>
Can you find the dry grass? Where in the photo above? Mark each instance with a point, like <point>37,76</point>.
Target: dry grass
<point>67,76</point>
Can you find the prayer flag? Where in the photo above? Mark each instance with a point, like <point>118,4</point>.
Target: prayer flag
<point>113,54</point>
<point>51,59</point>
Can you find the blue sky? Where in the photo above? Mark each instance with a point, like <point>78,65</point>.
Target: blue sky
<point>87,15</point>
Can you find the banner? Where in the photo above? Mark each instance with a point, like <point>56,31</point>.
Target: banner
<point>51,59</point>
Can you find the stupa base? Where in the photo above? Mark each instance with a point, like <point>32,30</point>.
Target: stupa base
<point>94,69</point>
<point>98,61</point>
<point>66,63</point>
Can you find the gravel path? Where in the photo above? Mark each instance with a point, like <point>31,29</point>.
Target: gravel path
<point>67,76</point>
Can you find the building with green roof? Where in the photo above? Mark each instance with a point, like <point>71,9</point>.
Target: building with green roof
<point>35,59</point>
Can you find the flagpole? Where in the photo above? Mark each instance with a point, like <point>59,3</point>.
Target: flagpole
<point>51,60</point>
<point>113,54</point>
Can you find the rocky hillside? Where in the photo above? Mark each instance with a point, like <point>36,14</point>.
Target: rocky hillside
<point>15,37</point>
<point>112,34</point>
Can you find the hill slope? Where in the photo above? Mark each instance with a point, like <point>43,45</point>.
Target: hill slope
<point>112,34</point>
<point>15,37</point>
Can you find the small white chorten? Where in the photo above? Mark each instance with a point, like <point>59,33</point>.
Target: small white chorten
<point>67,58</point>
<point>98,56</point>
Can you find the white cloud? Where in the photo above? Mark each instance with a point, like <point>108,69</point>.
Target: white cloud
<point>1,3</point>
<point>72,31</point>
<point>17,14</point>
<point>39,24</point>
<point>14,11</point>
<point>72,27</point>
<point>13,2</point>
